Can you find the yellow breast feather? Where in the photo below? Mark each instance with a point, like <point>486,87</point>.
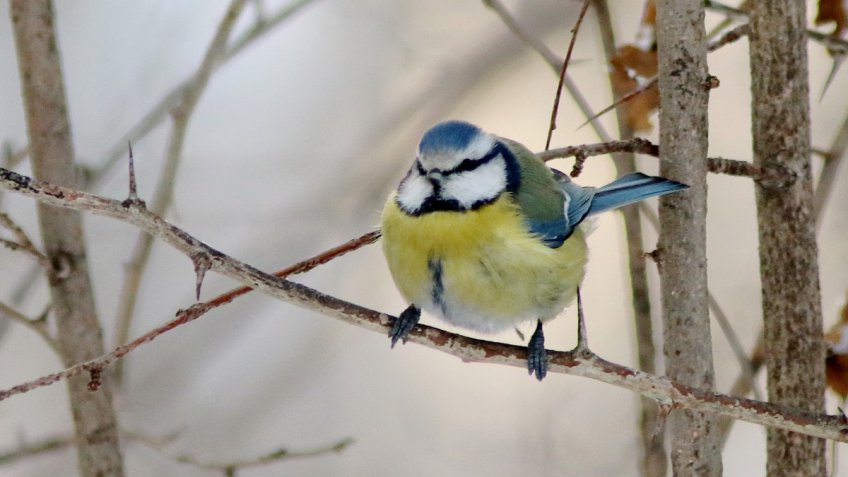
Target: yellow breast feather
<point>480,269</point>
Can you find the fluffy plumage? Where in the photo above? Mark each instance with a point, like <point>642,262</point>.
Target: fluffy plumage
<point>482,234</point>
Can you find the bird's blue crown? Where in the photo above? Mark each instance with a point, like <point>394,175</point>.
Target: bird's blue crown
<point>447,136</point>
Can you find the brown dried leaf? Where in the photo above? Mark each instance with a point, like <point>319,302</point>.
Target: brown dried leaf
<point>646,39</point>
<point>834,11</point>
<point>630,67</point>
<point>836,365</point>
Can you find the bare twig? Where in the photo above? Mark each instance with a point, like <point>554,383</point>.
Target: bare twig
<point>553,61</point>
<point>23,243</point>
<point>746,364</point>
<point>555,108</point>
<point>637,145</point>
<point>230,467</point>
<point>833,159</point>
<point>45,446</point>
<point>728,37</point>
<point>12,158</point>
<point>38,325</point>
<point>833,44</point>
<point>158,113</point>
<point>468,349</point>
<point>190,95</point>
<point>770,176</point>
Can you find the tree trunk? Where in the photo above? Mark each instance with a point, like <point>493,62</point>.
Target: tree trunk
<point>51,150</point>
<point>788,252</point>
<point>681,257</point>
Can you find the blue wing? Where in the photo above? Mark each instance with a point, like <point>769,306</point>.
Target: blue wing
<point>629,189</point>
<point>581,202</point>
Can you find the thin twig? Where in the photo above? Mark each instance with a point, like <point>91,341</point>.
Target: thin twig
<point>229,467</point>
<point>263,25</point>
<point>45,446</point>
<point>833,44</point>
<point>137,264</point>
<point>728,37</point>
<point>38,325</point>
<point>833,159</point>
<point>23,243</point>
<point>565,63</point>
<point>637,145</point>
<point>747,369</point>
<point>198,309</point>
<point>161,110</point>
<point>468,349</point>
<point>553,61</point>
<point>12,158</point>
<point>770,176</point>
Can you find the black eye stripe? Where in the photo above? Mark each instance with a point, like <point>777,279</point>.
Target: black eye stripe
<point>471,164</point>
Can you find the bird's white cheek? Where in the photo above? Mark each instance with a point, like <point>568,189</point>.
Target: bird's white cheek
<point>413,192</point>
<point>484,183</point>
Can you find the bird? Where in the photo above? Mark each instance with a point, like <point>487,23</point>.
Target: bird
<point>483,235</point>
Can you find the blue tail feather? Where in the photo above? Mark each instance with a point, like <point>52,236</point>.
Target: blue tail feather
<point>629,189</point>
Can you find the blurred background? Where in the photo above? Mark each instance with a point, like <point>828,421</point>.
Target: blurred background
<point>293,148</point>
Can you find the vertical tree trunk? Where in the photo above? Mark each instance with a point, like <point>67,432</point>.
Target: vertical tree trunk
<point>654,459</point>
<point>51,150</point>
<point>788,252</point>
<point>682,258</point>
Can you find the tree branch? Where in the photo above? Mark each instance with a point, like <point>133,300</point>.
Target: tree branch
<point>158,113</point>
<point>190,95</point>
<point>588,365</point>
<point>38,325</point>
<point>231,467</point>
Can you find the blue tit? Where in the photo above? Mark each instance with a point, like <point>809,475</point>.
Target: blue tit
<point>482,234</point>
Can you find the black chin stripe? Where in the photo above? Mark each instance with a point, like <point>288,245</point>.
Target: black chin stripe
<point>434,204</point>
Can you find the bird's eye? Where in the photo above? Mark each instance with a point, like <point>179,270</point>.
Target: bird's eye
<point>466,165</point>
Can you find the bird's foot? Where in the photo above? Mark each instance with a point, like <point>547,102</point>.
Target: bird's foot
<point>537,359</point>
<point>404,324</point>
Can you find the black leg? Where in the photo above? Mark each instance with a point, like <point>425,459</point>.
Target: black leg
<point>537,359</point>
<point>404,324</point>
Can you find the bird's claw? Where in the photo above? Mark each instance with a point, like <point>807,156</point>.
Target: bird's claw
<point>537,359</point>
<point>404,324</point>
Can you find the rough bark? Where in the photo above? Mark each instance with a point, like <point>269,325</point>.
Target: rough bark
<point>52,156</point>
<point>682,260</point>
<point>792,318</point>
